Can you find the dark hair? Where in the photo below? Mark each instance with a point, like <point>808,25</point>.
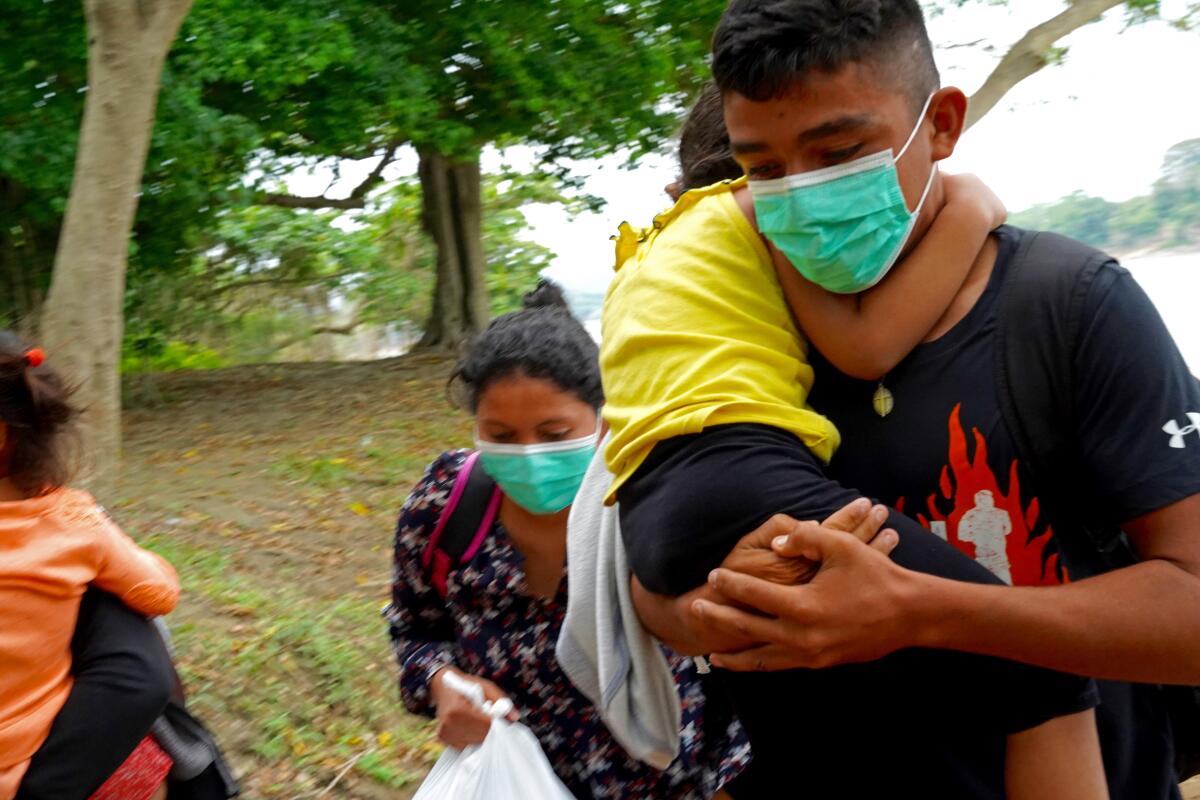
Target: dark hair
<point>761,47</point>
<point>704,154</point>
<point>541,341</point>
<point>36,410</point>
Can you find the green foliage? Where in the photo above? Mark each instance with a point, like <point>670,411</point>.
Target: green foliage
<point>397,287</point>
<point>1169,216</point>
<point>253,90</point>
<point>148,353</point>
<point>1078,215</point>
<point>514,261</point>
<point>268,277</point>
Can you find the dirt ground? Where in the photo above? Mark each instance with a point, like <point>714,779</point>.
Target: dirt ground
<point>273,490</point>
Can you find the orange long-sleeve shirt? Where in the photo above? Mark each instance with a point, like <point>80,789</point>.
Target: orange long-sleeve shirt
<point>51,548</point>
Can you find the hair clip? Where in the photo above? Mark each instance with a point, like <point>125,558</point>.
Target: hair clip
<point>35,357</point>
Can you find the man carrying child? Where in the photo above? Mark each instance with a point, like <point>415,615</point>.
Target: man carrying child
<point>835,114</point>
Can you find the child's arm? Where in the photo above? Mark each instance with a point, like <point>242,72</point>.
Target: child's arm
<point>866,335</point>
<point>142,580</point>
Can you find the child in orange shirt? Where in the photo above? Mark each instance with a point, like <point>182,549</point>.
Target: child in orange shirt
<point>54,542</point>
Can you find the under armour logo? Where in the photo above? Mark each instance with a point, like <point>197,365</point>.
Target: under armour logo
<point>1177,433</point>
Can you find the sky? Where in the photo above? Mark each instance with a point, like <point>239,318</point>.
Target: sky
<point>1099,123</point>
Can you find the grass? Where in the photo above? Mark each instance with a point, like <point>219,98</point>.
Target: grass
<point>305,676</point>
<point>273,492</point>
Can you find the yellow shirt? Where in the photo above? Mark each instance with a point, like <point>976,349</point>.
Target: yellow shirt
<point>696,333</point>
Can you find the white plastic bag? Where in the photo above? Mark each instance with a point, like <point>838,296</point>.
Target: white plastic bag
<point>508,765</point>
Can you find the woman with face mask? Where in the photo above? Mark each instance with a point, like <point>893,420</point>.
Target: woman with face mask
<point>532,382</point>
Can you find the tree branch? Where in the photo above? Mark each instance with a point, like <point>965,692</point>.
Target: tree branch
<point>960,45</point>
<point>344,329</point>
<point>1031,53</point>
<point>234,286</point>
<point>357,198</point>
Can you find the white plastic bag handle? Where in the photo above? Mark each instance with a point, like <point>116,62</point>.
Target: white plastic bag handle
<point>508,765</point>
<point>474,692</point>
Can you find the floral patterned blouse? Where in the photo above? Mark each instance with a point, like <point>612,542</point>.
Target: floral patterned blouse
<point>489,625</point>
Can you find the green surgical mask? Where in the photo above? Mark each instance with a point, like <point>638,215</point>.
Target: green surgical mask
<point>843,227</point>
<point>540,478</point>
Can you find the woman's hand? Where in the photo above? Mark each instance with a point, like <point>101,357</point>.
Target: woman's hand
<point>460,722</point>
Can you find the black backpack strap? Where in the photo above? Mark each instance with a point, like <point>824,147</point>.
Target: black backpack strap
<point>1041,319</point>
<point>470,510</point>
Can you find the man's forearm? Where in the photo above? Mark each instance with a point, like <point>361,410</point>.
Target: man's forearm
<point>1141,623</point>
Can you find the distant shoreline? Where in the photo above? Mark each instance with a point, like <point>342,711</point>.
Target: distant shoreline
<point>1157,252</point>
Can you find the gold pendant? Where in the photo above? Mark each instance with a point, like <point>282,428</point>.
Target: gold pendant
<point>883,402</point>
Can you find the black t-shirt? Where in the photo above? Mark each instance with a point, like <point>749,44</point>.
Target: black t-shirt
<point>945,457</point>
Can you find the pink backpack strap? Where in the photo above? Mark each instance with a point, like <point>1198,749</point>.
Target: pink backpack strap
<point>456,493</point>
<point>452,544</point>
<point>485,525</point>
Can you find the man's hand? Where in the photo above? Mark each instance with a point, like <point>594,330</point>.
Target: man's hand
<point>846,613</point>
<point>672,620</point>
<point>756,553</point>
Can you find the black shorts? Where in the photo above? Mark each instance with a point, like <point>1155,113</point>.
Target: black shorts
<point>925,721</point>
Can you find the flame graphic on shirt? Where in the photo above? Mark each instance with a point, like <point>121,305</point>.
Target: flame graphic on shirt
<point>987,523</point>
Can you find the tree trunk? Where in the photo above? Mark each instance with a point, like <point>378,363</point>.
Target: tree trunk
<point>452,214</point>
<point>83,319</point>
<point>1032,52</point>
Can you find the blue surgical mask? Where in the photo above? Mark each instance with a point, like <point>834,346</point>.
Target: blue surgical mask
<point>540,478</point>
<point>843,227</point>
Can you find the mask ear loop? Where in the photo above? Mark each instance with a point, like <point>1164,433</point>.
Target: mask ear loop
<point>928,185</point>
<point>917,127</point>
<point>912,137</point>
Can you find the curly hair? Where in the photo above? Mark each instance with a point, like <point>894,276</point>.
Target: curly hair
<point>543,340</point>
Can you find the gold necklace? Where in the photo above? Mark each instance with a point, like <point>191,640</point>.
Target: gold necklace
<point>883,401</point>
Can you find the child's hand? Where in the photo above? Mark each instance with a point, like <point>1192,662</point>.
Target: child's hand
<point>969,193</point>
<point>754,555</point>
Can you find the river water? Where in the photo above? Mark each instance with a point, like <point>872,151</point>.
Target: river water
<point>1173,282</point>
<point>1171,279</point>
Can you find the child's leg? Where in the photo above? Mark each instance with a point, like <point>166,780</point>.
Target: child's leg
<point>122,681</point>
<point>1058,759</point>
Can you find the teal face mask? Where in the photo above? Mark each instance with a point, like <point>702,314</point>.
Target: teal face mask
<point>843,227</point>
<point>540,478</point>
